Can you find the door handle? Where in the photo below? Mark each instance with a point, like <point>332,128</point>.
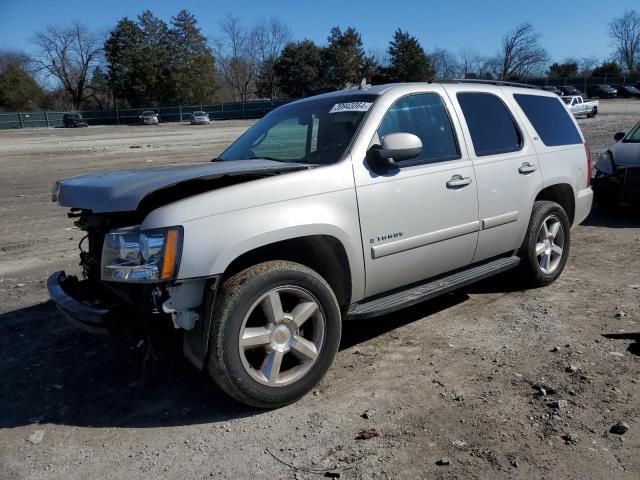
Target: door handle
<point>526,168</point>
<point>458,181</point>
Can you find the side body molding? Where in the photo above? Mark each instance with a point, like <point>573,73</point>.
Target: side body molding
<point>379,251</point>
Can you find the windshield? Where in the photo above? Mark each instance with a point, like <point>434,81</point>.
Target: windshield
<point>148,114</point>
<point>199,114</point>
<point>566,100</point>
<point>634,135</point>
<point>314,131</point>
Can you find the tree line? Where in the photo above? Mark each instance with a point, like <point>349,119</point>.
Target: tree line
<point>146,61</point>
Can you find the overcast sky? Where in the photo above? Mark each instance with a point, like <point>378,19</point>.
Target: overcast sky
<point>568,28</point>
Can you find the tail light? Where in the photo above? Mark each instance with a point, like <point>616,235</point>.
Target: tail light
<point>587,151</point>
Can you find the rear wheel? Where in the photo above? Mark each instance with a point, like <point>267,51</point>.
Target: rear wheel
<point>274,334</point>
<point>545,248</point>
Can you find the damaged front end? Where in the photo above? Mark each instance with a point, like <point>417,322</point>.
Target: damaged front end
<point>120,279</point>
<point>128,285</point>
<point>129,276</point>
<point>614,183</point>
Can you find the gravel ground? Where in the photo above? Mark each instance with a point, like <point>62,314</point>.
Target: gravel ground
<point>504,383</point>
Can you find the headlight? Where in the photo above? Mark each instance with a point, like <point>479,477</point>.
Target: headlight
<point>604,163</point>
<point>132,255</point>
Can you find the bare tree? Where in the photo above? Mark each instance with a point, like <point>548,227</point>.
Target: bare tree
<point>625,35</point>
<point>269,38</point>
<point>521,53</point>
<point>444,63</point>
<point>68,54</point>
<point>587,64</point>
<point>236,59</point>
<point>469,61</point>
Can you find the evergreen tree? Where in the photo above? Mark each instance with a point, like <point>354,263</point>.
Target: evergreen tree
<point>607,69</point>
<point>299,69</point>
<point>343,59</point>
<point>407,60</point>
<point>563,70</point>
<point>193,66</point>
<point>18,90</point>
<point>156,60</point>
<point>123,53</point>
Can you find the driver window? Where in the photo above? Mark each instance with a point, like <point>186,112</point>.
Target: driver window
<point>425,116</point>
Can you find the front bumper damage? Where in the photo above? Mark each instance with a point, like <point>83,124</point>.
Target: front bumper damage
<point>95,308</point>
<point>66,293</point>
<point>623,184</point>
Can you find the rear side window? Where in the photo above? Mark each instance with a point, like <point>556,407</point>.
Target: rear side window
<point>490,123</point>
<point>550,120</point>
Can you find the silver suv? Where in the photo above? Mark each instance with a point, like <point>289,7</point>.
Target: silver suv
<point>343,206</point>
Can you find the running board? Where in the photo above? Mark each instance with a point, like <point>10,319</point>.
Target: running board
<point>397,300</point>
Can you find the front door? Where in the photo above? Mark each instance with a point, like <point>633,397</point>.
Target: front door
<point>419,218</point>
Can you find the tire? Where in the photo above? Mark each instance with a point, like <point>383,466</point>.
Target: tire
<point>543,268</point>
<point>302,341</point>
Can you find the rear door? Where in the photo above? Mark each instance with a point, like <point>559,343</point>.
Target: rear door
<point>419,218</point>
<point>505,163</point>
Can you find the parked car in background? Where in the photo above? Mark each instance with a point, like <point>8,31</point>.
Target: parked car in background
<point>580,108</point>
<point>200,118</point>
<point>74,120</point>
<point>569,90</point>
<point>617,171</point>
<point>552,89</point>
<point>601,91</point>
<point>149,117</point>
<point>628,91</point>
<point>343,206</point>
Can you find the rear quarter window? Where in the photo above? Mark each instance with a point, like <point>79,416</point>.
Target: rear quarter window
<point>550,120</point>
<point>492,128</point>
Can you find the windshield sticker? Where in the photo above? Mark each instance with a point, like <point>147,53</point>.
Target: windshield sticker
<point>351,107</point>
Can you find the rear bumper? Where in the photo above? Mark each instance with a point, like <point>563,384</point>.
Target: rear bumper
<point>584,200</point>
<point>86,317</point>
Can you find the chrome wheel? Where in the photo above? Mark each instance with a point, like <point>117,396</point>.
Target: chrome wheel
<point>281,336</point>
<point>550,244</point>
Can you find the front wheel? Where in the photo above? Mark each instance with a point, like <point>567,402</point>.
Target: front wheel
<point>545,248</point>
<point>275,331</point>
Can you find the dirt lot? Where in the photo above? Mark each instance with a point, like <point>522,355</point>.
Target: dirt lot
<point>458,377</point>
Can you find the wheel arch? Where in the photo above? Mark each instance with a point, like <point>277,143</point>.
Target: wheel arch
<point>325,254</point>
<point>562,194</point>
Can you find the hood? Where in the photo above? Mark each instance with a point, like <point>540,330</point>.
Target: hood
<point>625,154</point>
<point>123,190</point>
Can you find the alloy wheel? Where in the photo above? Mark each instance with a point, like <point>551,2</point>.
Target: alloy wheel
<point>550,244</point>
<point>281,336</point>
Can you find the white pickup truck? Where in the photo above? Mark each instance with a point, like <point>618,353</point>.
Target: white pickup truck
<point>579,107</point>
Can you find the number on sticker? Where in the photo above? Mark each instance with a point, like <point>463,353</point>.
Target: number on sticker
<point>350,107</point>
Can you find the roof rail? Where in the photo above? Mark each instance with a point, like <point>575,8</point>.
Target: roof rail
<point>482,81</point>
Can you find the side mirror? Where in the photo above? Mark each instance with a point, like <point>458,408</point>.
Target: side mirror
<point>619,136</point>
<point>396,147</point>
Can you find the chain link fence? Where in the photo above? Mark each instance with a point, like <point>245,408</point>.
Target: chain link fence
<point>131,116</point>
